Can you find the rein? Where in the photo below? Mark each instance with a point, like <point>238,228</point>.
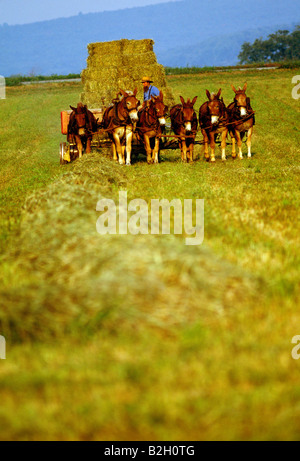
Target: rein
<point>242,119</point>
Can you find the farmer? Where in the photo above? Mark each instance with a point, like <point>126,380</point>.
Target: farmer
<point>149,90</point>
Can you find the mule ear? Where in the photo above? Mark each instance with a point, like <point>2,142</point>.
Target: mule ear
<point>135,92</point>
<point>219,93</point>
<point>161,95</point>
<point>123,93</point>
<point>73,108</point>
<point>208,94</point>
<point>245,87</point>
<point>233,89</point>
<point>181,99</point>
<point>194,100</point>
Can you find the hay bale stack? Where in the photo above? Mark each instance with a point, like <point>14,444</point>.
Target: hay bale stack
<point>121,64</point>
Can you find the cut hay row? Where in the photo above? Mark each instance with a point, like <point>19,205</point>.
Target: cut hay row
<point>74,279</point>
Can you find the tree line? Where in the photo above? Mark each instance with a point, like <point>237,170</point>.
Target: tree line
<point>283,45</point>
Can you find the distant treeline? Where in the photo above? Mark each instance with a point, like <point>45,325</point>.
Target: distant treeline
<point>280,46</point>
<point>14,80</point>
<point>198,70</point>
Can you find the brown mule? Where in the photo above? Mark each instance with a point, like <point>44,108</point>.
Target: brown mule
<point>119,121</point>
<point>151,125</point>
<point>241,120</point>
<point>82,124</point>
<point>184,123</point>
<point>213,119</point>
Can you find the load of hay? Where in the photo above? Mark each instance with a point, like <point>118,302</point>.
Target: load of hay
<point>121,64</point>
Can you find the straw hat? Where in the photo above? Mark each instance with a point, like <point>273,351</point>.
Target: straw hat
<point>147,79</point>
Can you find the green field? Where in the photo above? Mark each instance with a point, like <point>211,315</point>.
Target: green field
<point>141,337</point>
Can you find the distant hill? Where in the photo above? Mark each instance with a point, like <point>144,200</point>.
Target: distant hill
<point>189,32</point>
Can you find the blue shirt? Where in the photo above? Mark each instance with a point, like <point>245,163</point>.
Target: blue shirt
<point>152,91</point>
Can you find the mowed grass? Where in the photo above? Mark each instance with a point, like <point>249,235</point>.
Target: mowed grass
<point>143,337</point>
<point>30,137</point>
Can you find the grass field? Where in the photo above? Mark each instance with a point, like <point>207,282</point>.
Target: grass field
<point>141,337</point>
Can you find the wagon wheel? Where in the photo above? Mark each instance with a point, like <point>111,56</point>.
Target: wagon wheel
<point>62,153</point>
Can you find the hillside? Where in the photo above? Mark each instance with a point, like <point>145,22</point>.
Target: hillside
<point>190,32</point>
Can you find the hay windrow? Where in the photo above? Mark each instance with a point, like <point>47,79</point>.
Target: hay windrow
<point>63,277</point>
<point>121,64</point>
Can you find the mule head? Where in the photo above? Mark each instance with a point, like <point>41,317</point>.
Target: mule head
<point>240,99</point>
<point>80,113</point>
<point>188,112</point>
<point>131,103</point>
<point>215,106</point>
<point>160,108</point>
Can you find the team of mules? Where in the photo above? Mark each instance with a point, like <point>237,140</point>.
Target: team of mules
<point>126,117</point>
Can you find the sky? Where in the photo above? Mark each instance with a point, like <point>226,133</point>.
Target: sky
<point>27,11</point>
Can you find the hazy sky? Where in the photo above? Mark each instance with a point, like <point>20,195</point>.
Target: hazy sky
<point>26,11</point>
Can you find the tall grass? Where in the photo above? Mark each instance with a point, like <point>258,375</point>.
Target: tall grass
<point>142,337</point>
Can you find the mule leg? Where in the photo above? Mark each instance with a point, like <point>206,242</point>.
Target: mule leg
<point>223,144</point>
<point>118,148</point>
<point>79,146</point>
<point>190,153</point>
<point>148,149</point>
<point>250,131</point>
<point>155,151</point>
<point>123,153</point>
<point>129,136</point>
<point>233,151</point>
<point>88,145</point>
<point>205,139</point>
<point>183,150</point>
<point>239,143</point>
<point>114,151</point>
<point>212,147</point>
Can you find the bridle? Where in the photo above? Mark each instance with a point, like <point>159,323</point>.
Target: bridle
<point>239,106</point>
<point>82,116</point>
<point>179,117</point>
<point>122,104</point>
<point>154,113</point>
